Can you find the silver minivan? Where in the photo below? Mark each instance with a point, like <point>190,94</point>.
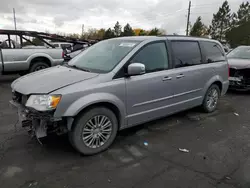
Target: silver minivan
<point>119,83</point>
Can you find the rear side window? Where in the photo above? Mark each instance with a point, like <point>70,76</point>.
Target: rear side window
<point>187,53</point>
<point>213,51</point>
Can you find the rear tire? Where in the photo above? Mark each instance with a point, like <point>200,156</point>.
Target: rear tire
<point>89,139</point>
<point>38,66</point>
<point>211,99</point>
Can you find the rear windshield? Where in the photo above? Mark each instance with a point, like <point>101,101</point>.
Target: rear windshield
<point>103,56</point>
<point>241,52</point>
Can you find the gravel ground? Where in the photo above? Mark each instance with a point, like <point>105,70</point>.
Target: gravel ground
<point>144,156</point>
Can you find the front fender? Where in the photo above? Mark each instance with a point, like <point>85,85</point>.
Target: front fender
<point>96,98</point>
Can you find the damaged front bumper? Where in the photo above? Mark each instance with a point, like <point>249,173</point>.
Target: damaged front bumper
<point>239,79</point>
<point>38,123</point>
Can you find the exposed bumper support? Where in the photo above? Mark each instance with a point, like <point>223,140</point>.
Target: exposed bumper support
<point>39,123</point>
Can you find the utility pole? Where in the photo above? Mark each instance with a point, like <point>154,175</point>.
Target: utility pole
<point>82,29</point>
<point>14,16</point>
<point>188,18</point>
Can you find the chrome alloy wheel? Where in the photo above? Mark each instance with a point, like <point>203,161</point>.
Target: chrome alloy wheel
<point>97,131</point>
<point>212,99</point>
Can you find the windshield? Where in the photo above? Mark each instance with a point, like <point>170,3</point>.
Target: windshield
<point>103,56</point>
<point>242,52</point>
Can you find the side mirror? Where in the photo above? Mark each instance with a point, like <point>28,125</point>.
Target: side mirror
<point>136,69</point>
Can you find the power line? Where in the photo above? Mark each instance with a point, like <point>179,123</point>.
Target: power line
<point>211,4</point>
<point>201,13</point>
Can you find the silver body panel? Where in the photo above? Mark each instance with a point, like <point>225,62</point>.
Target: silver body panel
<point>139,99</point>
<point>15,60</point>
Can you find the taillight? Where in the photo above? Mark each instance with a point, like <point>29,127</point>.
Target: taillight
<point>62,54</point>
<point>228,70</point>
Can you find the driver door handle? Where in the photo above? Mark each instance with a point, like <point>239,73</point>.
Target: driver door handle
<point>180,76</point>
<point>166,78</point>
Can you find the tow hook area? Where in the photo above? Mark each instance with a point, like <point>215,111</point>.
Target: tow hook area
<point>39,124</point>
<point>40,128</point>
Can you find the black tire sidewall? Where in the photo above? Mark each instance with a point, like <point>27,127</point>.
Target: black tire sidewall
<point>204,105</point>
<point>36,64</point>
<point>76,133</point>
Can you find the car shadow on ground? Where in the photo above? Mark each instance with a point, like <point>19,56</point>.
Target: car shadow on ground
<point>61,144</point>
<point>55,143</point>
<point>238,92</point>
<point>7,79</point>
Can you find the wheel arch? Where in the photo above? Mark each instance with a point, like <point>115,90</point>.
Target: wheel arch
<point>39,56</point>
<point>40,59</point>
<point>95,100</point>
<point>219,84</point>
<point>214,80</point>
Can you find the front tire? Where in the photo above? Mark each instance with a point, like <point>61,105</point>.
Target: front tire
<point>94,131</point>
<point>211,99</point>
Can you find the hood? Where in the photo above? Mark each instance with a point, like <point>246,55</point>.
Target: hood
<point>239,63</point>
<point>48,80</point>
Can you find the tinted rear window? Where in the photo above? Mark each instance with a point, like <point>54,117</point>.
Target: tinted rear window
<point>214,52</point>
<point>187,53</point>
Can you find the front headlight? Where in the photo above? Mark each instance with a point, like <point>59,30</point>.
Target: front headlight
<point>43,102</point>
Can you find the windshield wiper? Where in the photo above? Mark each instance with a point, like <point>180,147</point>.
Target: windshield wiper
<point>79,68</point>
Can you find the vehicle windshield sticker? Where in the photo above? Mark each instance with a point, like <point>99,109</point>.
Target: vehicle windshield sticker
<point>127,44</point>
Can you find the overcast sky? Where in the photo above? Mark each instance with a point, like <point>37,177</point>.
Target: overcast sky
<point>67,16</point>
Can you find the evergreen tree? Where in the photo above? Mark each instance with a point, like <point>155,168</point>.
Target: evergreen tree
<point>108,34</point>
<point>128,31</point>
<point>117,29</point>
<point>243,14</point>
<point>239,34</point>
<point>198,29</point>
<point>154,32</point>
<point>221,22</point>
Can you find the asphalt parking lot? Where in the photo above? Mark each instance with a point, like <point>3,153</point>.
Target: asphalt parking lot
<point>218,153</point>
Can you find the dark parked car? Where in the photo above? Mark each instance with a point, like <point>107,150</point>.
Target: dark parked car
<point>239,62</point>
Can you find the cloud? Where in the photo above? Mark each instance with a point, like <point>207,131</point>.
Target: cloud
<point>68,16</point>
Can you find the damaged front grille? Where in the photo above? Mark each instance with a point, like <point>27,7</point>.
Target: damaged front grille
<point>243,75</point>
